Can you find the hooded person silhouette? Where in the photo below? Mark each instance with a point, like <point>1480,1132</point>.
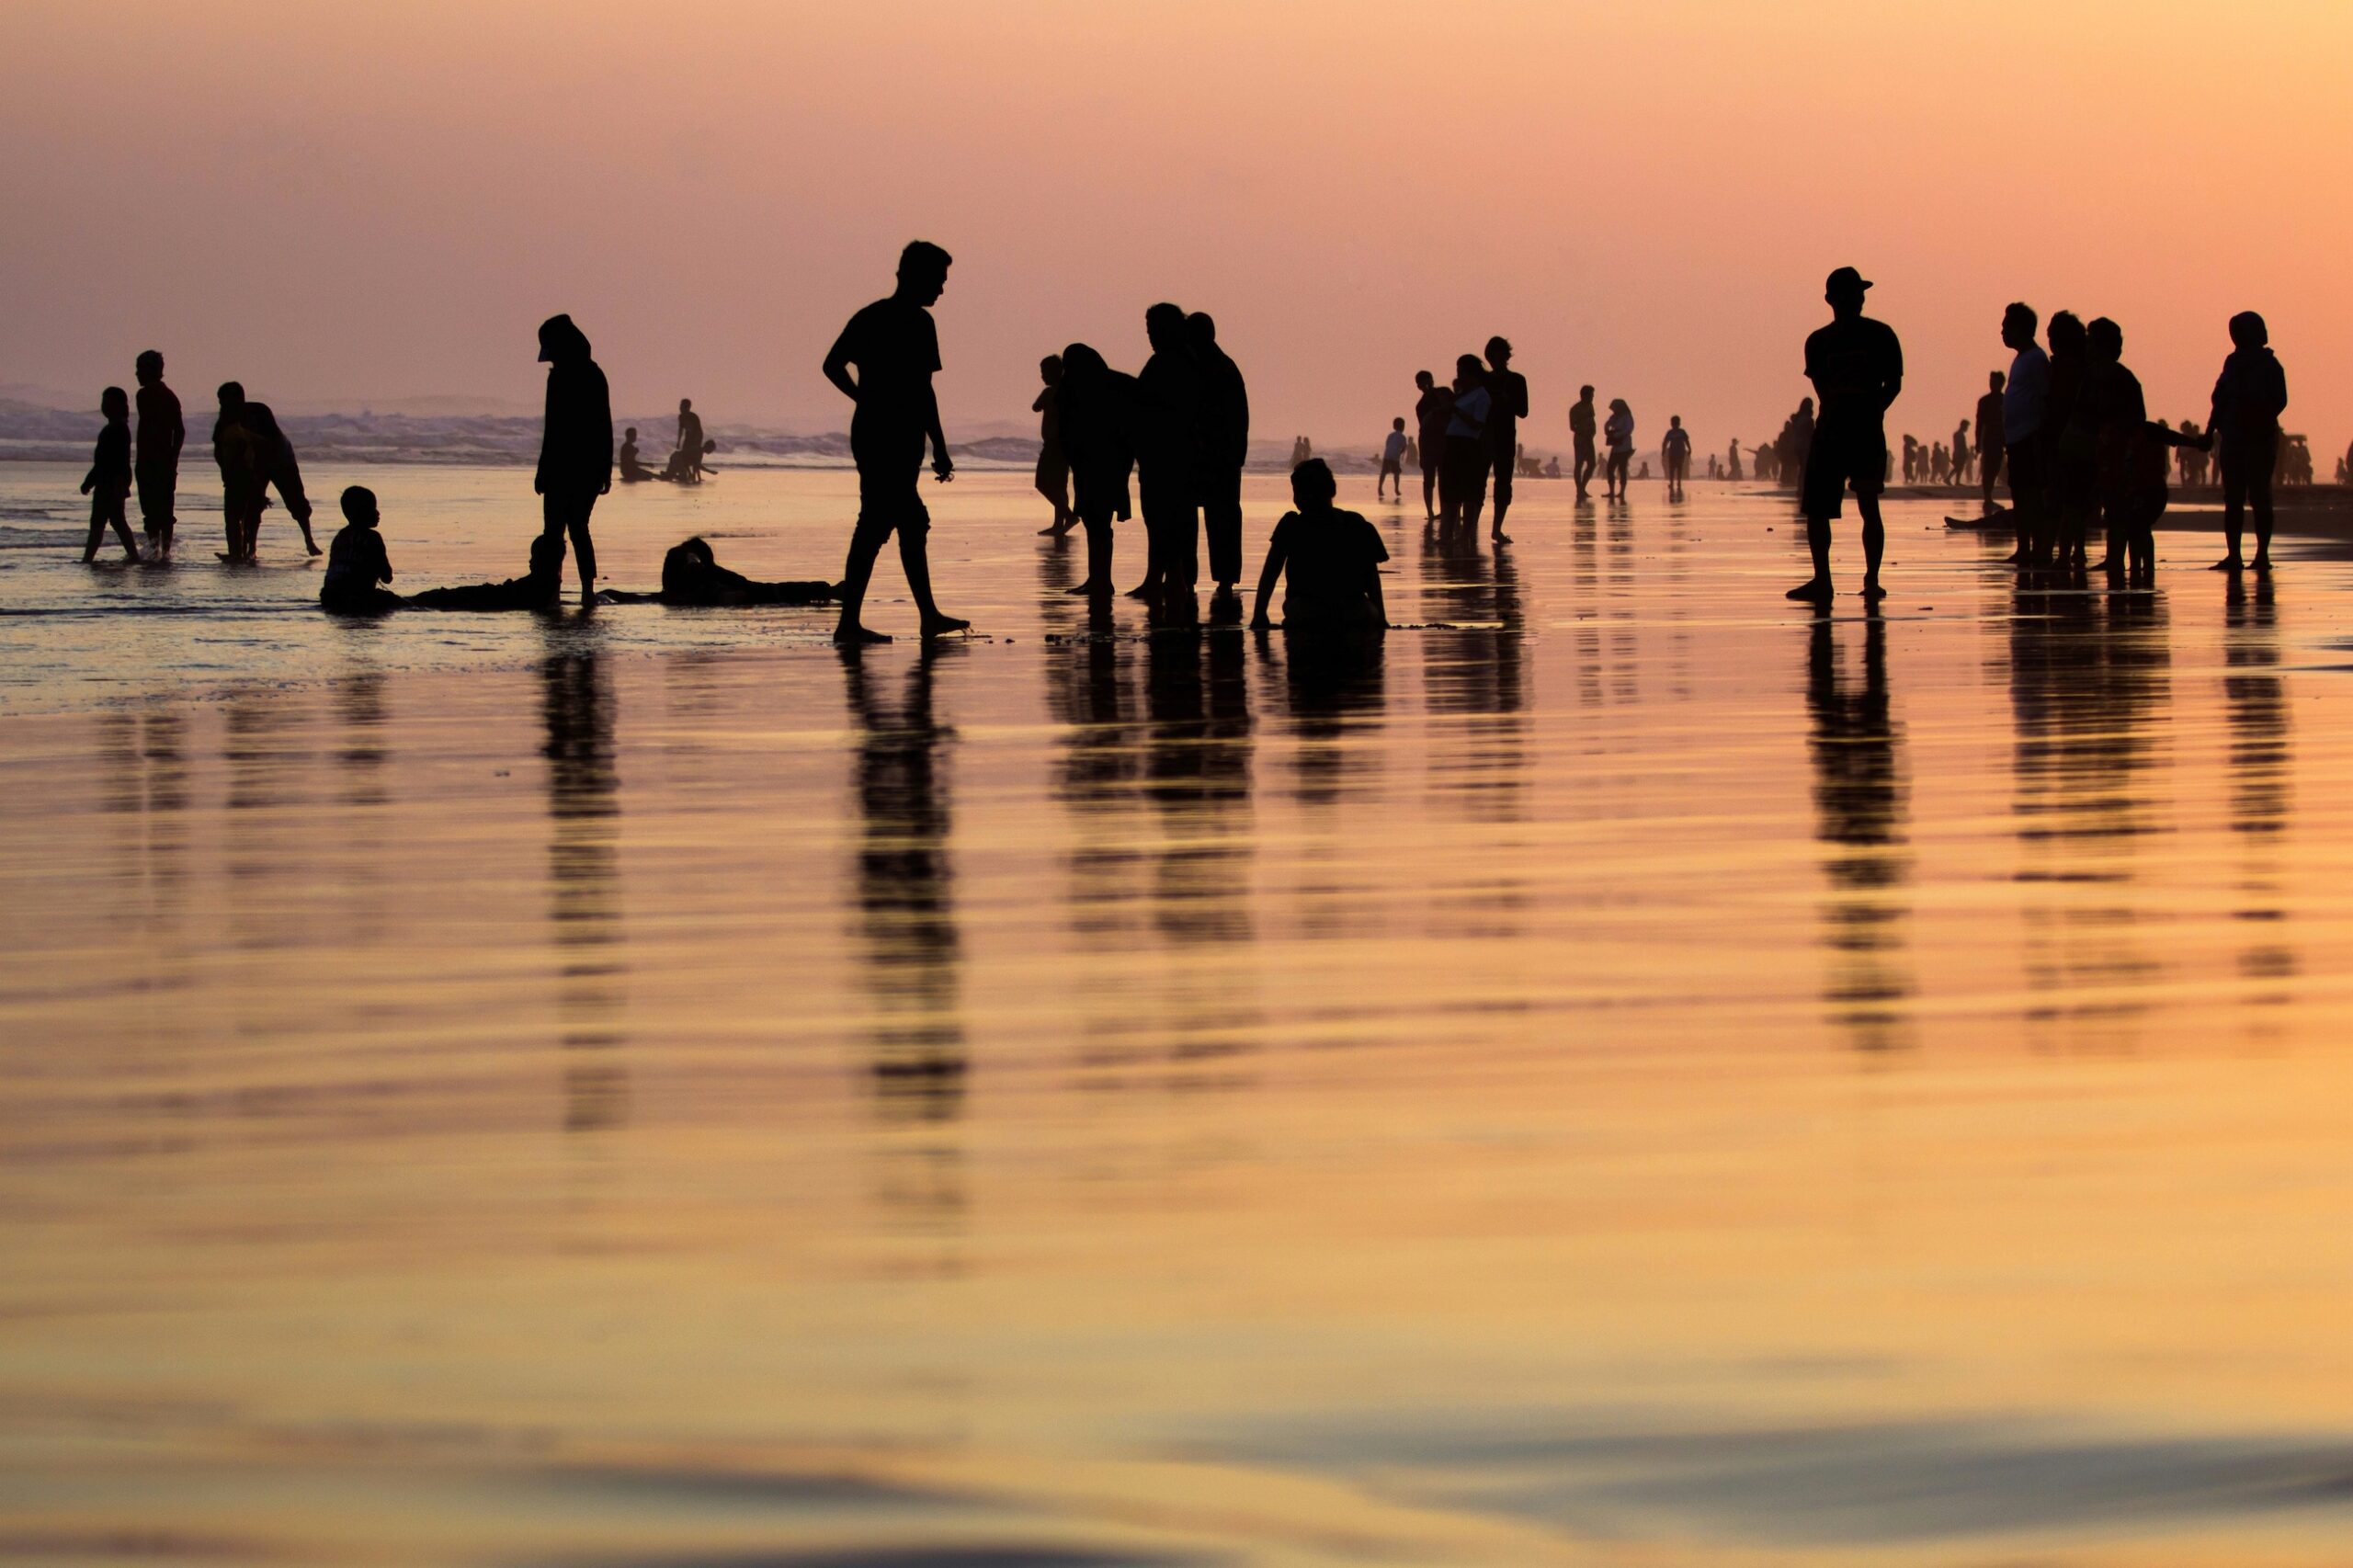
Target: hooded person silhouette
<point>894,344</point>
<point>1856,367</point>
<point>1098,415</point>
<point>575,445</point>
<point>1223,446</point>
<point>2249,396</point>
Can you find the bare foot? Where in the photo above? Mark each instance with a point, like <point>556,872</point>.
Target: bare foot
<point>1500,536</point>
<point>2228,563</point>
<point>1142,591</point>
<point>1083,590</point>
<point>1874,592</point>
<point>856,636</point>
<point>941,625</point>
<point>1816,589</point>
<point>2262,562</point>
<point>312,546</point>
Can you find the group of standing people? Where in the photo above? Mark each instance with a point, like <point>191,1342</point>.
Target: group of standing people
<point>1468,434</point>
<point>2081,449</point>
<point>1180,428</point>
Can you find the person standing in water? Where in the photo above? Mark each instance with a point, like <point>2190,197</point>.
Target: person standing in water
<point>1221,437</point>
<point>1392,458</point>
<point>1433,410</point>
<point>108,482</point>
<point>2025,399</point>
<point>1053,465</point>
<point>1990,449</point>
<point>1617,433</point>
<point>1675,455</point>
<point>895,345</point>
<point>1167,456</point>
<point>1856,367</point>
<point>1098,413</point>
<point>1509,389</point>
<point>575,445</point>
<point>1583,427</point>
<point>688,459</point>
<point>1462,481</point>
<point>2249,396</point>
<point>157,467</point>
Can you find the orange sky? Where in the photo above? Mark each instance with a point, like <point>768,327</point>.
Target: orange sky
<point>377,201</point>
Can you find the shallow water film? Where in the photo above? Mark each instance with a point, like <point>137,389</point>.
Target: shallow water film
<point>1635,1072</point>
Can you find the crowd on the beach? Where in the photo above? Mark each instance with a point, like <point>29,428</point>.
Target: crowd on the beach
<point>2069,426</point>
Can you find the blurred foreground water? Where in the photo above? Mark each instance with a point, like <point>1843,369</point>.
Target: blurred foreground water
<point>1642,1073</point>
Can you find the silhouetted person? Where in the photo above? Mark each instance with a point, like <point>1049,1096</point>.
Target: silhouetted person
<point>1732,460</point>
<point>1301,450</point>
<point>1618,435</point>
<point>1797,443</point>
<point>254,454</point>
<point>1169,405</point>
<point>2026,435</point>
<point>357,566</point>
<point>685,466</point>
<point>1961,453</point>
<point>1990,449</point>
<point>895,346</point>
<point>632,468</point>
<point>1674,454</point>
<point>692,578</point>
<point>575,444</point>
<point>1508,388</point>
<point>1098,415</point>
<point>1583,427</point>
<point>1463,479</point>
<point>540,588</point>
<point>1330,561</point>
<point>2133,454</point>
<point>687,455</point>
<point>1856,367</point>
<point>1433,410</point>
<point>1221,436</point>
<point>1053,464</point>
<point>2072,476</point>
<point>1392,458</point>
<point>2249,396</point>
<point>108,482</point>
<point>157,461</point>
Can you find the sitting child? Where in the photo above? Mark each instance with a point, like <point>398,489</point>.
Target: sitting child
<point>108,484</point>
<point>539,589</point>
<point>1330,561</point>
<point>357,564</point>
<point>692,575</point>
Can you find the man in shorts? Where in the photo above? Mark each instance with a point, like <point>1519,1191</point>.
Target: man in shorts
<point>1583,427</point>
<point>1433,410</point>
<point>895,345</point>
<point>1856,367</point>
<point>1509,389</point>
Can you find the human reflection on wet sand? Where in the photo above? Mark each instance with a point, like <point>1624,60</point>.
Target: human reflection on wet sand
<point>576,709</point>
<point>2090,687</point>
<point>912,952</point>
<point>1335,694</point>
<point>145,759</point>
<point>1476,693</point>
<point>2262,792</point>
<point>1862,814</point>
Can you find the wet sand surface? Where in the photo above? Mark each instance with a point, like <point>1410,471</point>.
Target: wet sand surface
<point>1639,1074</point>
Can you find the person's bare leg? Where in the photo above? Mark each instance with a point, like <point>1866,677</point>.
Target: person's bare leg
<point>1874,546</point>
<point>1429,493</point>
<point>2259,499</point>
<point>2233,526</point>
<point>1817,540</point>
<point>856,572</point>
<point>915,555</point>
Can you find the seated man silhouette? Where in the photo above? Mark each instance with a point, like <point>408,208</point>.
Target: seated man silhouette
<point>691,576</point>
<point>1330,560</point>
<point>538,589</point>
<point>633,468</point>
<point>687,468</point>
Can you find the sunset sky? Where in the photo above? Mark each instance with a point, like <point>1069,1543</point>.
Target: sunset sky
<point>375,202</point>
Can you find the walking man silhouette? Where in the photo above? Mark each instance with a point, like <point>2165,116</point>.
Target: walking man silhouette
<point>895,345</point>
<point>1583,425</point>
<point>575,445</point>
<point>1856,367</point>
<point>161,433</point>
<point>1508,388</point>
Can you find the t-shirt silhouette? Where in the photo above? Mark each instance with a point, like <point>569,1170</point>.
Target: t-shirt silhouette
<point>1509,390</point>
<point>356,560</point>
<point>1431,413</point>
<point>160,429</point>
<point>1581,419</point>
<point>2023,394</point>
<point>1677,443</point>
<point>1471,408</point>
<point>1848,361</point>
<point>1392,450</point>
<point>1329,559</point>
<point>895,345</point>
<point>1990,434</point>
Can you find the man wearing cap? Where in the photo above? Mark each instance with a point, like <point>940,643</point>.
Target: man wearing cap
<point>1856,367</point>
<point>575,445</point>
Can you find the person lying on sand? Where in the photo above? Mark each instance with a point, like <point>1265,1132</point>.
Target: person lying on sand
<point>537,590</point>
<point>691,576</point>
